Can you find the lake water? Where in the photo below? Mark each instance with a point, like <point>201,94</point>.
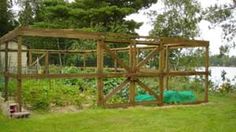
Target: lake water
<point>217,71</point>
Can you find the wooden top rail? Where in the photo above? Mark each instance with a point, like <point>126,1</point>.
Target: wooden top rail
<point>183,42</point>
<point>73,51</point>
<point>107,37</point>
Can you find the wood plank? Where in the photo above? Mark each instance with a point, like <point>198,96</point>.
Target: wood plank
<point>35,51</point>
<point>146,88</point>
<point>114,57</point>
<point>125,105</point>
<point>186,73</point>
<point>100,62</point>
<point>132,93</point>
<point>169,41</point>
<point>84,60</point>
<point>149,56</point>
<point>6,71</point>
<point>115,90</point>
<point>35,62</point>
<point>132,64</point>
<point>73,34</point>
<point>46,63</point>
<point>59,33</point>
<point>117,105</point>
<point>166,77</point>
<point>115,62</point>
<point>19,72</point>
<point>30,58</point>
<point>9,36</point>
<point>161,70</point>
<point>207,71</point>
<point>154,102</point>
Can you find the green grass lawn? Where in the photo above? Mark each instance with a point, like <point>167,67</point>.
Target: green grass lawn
<point>218,115</point>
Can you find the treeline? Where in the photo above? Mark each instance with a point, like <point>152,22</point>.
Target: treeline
<point>223,60</point>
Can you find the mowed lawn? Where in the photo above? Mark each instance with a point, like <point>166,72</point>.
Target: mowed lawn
<point>218,115</point>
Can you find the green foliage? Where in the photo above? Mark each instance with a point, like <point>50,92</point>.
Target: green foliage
<point>7,21</point>
<point>96,15</point>
<point>179,19</point>
<point>225,88</point>
<point>222,60</point>
<point>44,94</point>
<point>224,16</point>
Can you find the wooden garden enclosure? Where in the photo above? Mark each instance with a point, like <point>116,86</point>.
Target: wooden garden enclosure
<point>132,71</point>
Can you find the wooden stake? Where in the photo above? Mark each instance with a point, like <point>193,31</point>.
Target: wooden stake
<point>46,63</point>
<point>6,71</point>
<point>100,61</point>
<point>30,58</point>
<point>115,62</point>
<point>207,72</point>
<point>132,58</point>
<point>19,72</point>
<point>166,77</point>
<point>84,61</point>
<point>161,68</point>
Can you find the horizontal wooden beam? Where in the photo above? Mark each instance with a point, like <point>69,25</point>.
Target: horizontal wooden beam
<point>74,34</point>
<point>125,105</point>
<point>75,51</point>
<point>106,75</point>
<point>186,73</point>
<point>10,36</point>
<point>171,41</point>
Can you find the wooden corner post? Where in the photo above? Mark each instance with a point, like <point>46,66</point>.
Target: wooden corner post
<point>19,72</point>
<point>132,63</point>
<point>5,73</point>
<point>207,72</point>
<point>161,70</point>
<point>100,59</point>
<point>166,77</point>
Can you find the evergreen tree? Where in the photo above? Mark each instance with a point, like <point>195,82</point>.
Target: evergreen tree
<point>92,15</point>
<point>7,21</point>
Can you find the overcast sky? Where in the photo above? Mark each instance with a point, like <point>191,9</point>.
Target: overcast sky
<point>212,35</point>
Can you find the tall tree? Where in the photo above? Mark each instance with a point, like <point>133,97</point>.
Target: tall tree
<point>180,18</point>
<point>7,21</point>
<point>92,15</point>
<point>224,16</point>
<point>30,9</point>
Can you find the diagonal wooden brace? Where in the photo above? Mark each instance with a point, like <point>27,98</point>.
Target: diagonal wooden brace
<point>114,91</point>
<point>149,56</point>
<point>146,88</point>
<point>115,57</point>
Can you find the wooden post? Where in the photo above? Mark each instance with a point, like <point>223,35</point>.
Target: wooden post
<point>207,70</point>
<point>166,78</point>
<point>46,63</point>
<point>84,60</point>
<point>138,52</point>
<point>161,68</point>
<point>30,58</point>
<point>19,72</point>
<point>5,73</point>
<point>100,61</point>
<point>115,62</point>
<point>132,58</point>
